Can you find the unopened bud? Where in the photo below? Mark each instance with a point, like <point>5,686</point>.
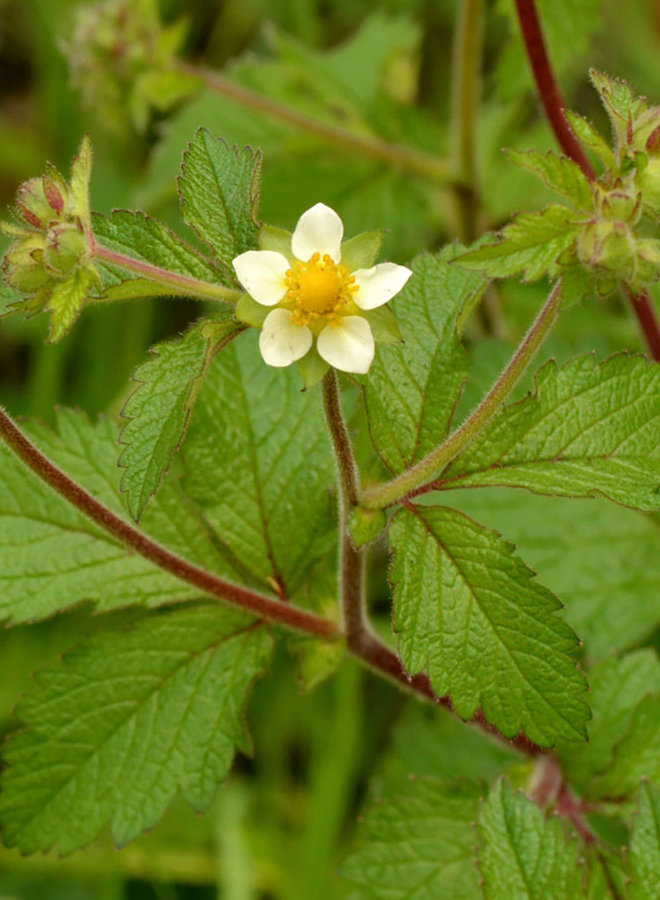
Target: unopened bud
<point>648,181</point>
<point>622,206</point>
<point>66,248</point>
<point>607,245</point>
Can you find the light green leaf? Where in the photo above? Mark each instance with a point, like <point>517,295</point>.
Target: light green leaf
<point>599,558</point>
<point>469,612</point>
<point>617,687</point>
<point>159,409</point>
<point>559,173</point>
<point>592,139</point>
<point>524,856</point>
<point>125,722</point>
<point>10,300</point>
<point>219,188</point>
<point>419,844</point>
<point>52,556</point>
<point>137,235</point>
<point>621,102</point>
<point>259,464</point>
<point>588,429</point>
<point>412,390</point>
<point>67,299</point>
<point>636,756</point>
<point>644,852</point>
<point>529,246</point>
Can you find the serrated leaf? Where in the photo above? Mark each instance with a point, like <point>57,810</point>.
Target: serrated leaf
<point>219,188</point>
<point>523,855</point>
<point>67,299</point>
<point>644,854</point>
<point>141,237</point>
<point>599,558</point>
<point>159,409</point>
<point>592,139</point>
<point>617,687</point>
<point>125,722</point>
<point>588,429</point>
<point>419,844</point>
<point>559,173</point>
<point>52,556</point>
<point>259,464</point>
<point>469,612</point>
<point>621,102</point>
<point>412,390</point>
<point>636,756</point>
<point>529,246</point>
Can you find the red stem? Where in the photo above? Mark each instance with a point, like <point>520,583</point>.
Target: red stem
<point>554,106</point>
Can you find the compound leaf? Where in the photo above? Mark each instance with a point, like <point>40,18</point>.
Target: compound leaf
<point>469,612</point>
<point>126,721</point>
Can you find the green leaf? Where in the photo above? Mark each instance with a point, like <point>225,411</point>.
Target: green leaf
<point>126,721</point>
<point>419,844</point>
<point>621,102</point>
<point>617,687</point>
<point>529,246</point>
<point>10,300</point>
<point>159,409</point>
<point>636,755</point>
<point>559,173</point>
<point>644,851</point>
<point>412,390</point>
<point>588,429</point>
<point>67,299</point>
<point>219,188</point>
<point>523,855</point>
<point>52,556</point>
<point>599,558</point>
<point>592,139</point>
<point>259,464</point>
<point>137,235</point>
<point>469,612</point>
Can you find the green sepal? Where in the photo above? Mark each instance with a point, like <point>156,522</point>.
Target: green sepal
<point>384,325</point>
<point>366,524</point>
<point>67,300</point>
<point>276,239</point>
<point>81,173</point>
<point>312,368</point>
<point>361,251</point>
<point>249,311</point>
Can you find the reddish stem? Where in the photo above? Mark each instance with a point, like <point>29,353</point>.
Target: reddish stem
<point>643,309</point>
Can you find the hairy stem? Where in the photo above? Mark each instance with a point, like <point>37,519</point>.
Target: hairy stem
<point>172,282</point>
<point>420,478</point>
<point>351,559</point>
<point>554,106</point>
<point>405,158</point>
<point>259,604</point>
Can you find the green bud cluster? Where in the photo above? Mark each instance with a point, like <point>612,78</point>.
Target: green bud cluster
<point>121,57</point>
<point>50,258</point>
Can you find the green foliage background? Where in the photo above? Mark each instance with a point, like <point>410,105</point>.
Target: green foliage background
<point>284,821</point>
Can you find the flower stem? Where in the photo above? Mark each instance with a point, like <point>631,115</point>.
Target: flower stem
<point>256,603</point>
<point>554,106</point>
<point>420,478</point>
<point>172,282</point>
<point>407,159</point>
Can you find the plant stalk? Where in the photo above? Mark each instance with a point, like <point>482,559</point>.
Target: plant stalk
<point>172,282</point>
<point>421,478</point>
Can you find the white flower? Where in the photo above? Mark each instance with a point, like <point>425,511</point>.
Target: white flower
<point>315,296</point>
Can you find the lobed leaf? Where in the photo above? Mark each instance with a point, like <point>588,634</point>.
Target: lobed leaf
<point>588,429</point>
<point>644,852</point>
<point>126,721</point>
<point>412,390</point>
<point>469,612</point>
<point>219,188</point>
<point>559,173</point>
<point>159,409</point>
<point>260,466</point>
<point>419,844</point>
<point>523,855</point>
<point>529,246</point>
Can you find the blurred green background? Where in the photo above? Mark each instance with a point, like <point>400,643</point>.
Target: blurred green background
<point>285,819</point>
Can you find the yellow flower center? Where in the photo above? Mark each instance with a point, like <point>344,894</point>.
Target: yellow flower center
<point>319,288</point>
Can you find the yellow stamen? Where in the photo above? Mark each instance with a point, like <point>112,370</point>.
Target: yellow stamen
<point>319,288</point>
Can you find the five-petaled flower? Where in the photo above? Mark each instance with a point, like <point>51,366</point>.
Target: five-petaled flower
<point>315,296</point>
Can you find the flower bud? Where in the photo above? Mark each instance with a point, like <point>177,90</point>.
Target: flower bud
<point>621,205</point>
<point>608,245</point>
<point>648,181</point>
<point>648,253</point>
<point>66,248</point>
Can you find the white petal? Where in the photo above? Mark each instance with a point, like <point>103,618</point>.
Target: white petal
<point>319,230</point>
<point>349,346</point>
<point>379,284</point>
<point>261,272</point>
<point>281,342</point>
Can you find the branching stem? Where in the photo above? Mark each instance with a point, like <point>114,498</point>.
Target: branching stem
<point>554,106</point>
<point>172,282</point>
<point>421,478</point>
<point>407,159</point>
